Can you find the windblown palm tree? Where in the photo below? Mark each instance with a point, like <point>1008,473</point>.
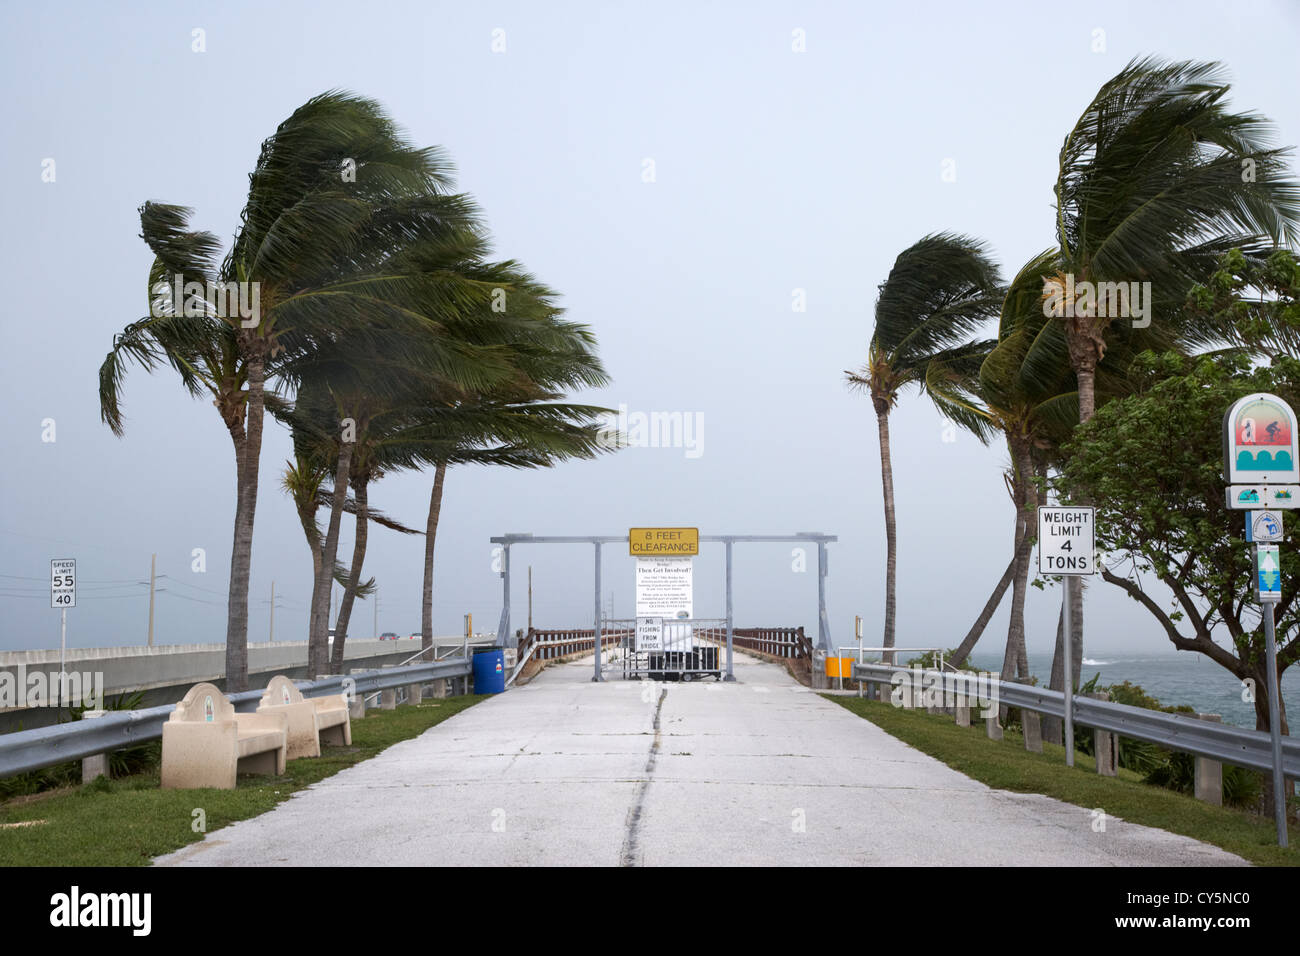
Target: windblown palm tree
<point>1023,390</point>
<point>336,204</point>
<point>1157,179</point>
<point>939,292</point>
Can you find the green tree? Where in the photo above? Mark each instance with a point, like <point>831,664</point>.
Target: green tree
<point>937,295</point>
<point>1151,463</point>
<point>1156,179</point>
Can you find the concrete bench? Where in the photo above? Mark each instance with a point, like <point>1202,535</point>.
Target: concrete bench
<point>206,744</point>
<point>311,719</point>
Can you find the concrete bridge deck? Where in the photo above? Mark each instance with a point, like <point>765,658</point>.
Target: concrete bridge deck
<point>759,772</point>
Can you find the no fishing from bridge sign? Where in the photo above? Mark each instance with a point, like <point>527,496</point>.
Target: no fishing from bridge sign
<point>1066,541</point>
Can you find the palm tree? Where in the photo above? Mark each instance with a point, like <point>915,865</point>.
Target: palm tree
<point>1156,167</point>
<point>939,292</point>
<point>524,424</point>
<point>1023,390</point>
<point>303,481</point>
<point>1156,180</point>
<point>335,195</point>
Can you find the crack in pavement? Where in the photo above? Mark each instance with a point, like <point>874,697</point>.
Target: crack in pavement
<point>630,851</point>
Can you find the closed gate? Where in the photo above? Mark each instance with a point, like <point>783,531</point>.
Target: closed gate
<point>685,650</point>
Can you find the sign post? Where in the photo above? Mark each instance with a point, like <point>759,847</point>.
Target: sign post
<point>1066,546</point>
<point>63,595</point>
<point>1259,465</point>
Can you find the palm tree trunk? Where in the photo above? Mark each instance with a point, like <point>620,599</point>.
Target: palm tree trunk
<point>430,537</point>
<point>1087,378</point>
<point>891,529</point>
<point>1015,660</point>
<point>1053,727</point>
<point>1086,375</point>
<point>1076,629</point>
<point>976,631</point>
<point>248,452</point>
<point>318,644</point>
<point>354,576</point>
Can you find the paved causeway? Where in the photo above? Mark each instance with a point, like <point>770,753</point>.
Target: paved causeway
<point>761,771</point>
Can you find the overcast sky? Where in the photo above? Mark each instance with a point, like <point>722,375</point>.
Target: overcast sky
<point>773,171</point>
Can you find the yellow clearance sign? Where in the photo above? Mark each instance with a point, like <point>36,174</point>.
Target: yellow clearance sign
<point>663,542</point>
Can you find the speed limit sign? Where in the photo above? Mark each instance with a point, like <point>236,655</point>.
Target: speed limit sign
<point>63,582</point>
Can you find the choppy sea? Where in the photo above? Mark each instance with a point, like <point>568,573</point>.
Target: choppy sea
<point>1191,679</point>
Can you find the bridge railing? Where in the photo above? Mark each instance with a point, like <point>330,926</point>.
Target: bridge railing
<point>41,747</point>
<point>787,642</point>
<point>1202,738</point>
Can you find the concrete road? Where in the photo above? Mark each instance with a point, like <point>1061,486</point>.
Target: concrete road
<point>758,772</point>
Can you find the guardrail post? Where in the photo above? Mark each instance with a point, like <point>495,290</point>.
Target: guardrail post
<point>1209,773</point>
<point>414,693</point>
<point>388,698</point>
<point>1031,723</point>
<point>992,726</point>
<point>96,765</point>
<point>819,680</point>
<point>963,715</point>
<point>1105,745</point>
<point>357,705</point>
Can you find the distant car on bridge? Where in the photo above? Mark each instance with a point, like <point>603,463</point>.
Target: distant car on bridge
<point>388,636</point>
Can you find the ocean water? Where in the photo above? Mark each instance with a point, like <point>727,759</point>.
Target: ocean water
<point>1191,679</point>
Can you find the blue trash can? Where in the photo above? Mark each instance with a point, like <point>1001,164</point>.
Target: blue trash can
<point>490,671</point>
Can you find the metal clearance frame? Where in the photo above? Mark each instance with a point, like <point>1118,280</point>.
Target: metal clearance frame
<point>507,639</point>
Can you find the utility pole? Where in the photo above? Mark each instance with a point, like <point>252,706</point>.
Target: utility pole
<point>376,613</point>
<point>272,637</point>
<point>530,597</point>
<point>153,574</point>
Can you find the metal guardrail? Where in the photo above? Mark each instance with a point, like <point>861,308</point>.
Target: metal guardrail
<point>1203,738</point>
<point>47,746</point>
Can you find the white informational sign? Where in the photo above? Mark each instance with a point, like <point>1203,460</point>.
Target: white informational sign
<point>1264,526</point>
<point>649,634</point>
<point>1065,541</point>
<point>1254,497</point>
<point>63,582</point>
<point>665,588</point>
<point>1268,574</point>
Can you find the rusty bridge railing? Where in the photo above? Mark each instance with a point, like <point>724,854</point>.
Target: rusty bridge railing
<point>788,642</point>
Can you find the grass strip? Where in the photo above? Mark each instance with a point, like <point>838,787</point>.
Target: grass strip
<point>1006,765</point>
<point>128,822</point>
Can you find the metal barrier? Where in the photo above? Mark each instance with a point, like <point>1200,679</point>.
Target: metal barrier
<point>691,649</point>
<point>1222,742</point>
<point>47,746</point>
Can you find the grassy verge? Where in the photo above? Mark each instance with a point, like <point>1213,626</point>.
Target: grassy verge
<point>1006,765</point>
<point>130,821</point>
